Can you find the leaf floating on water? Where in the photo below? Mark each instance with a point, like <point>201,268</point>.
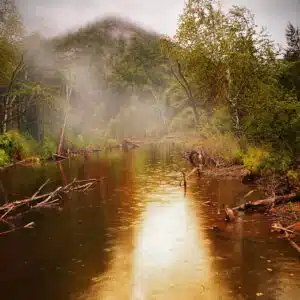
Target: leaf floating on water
<point>269,261</point>
<point>269,269</point>
<point>259,294</point>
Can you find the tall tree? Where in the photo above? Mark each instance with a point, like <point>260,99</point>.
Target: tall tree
<point>293,41</point>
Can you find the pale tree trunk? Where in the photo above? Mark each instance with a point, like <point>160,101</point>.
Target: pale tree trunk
<point>5,116</point>
<point>161,111</point>
<point>62,132</point>
<point>233,102</point>
<point>8,100</point>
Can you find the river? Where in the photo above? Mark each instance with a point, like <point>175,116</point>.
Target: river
<point>136,236</point>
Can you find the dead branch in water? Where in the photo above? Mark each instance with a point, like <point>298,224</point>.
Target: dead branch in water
<point>29,225</point>
<point>56,156</point>
<point>267,203</point>
<point>229,215</point>
<point>45,200</point>
<point>293,244</point>
<point>40,188</point>
<point>287,233</point>
<point>184,181</point>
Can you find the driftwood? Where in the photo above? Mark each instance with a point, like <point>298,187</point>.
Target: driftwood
<point>229,215</point>
<point>267,203</point>
<point>199,158</point>
<point>27,160</point>
<point>56,156</point>
<point>184,182</point>
<point>50,199</point>
<point>127,144</point>
<point>287,233</point>
<point>82,151</point>
<point>69,153</point>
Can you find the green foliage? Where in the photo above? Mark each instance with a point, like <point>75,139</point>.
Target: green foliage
<point>223,146</point>
<point>76,141</point>
<point>293,175</point>
<point>48,147</point>
<point>293,41</point>
<point>4,158</point>
<point>17,146</point>
<point>110,142</point>
<point>277,163</point>
<point>219,122</point>
<point>262,162</point>
<point>7,61</point>
<point>254,158</point>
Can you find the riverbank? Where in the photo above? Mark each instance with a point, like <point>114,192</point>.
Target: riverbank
<point>19,148</point>
<point>267,173</point>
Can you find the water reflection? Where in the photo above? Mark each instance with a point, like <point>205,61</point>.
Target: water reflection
<point>136,237</point>
<point>169,257</point>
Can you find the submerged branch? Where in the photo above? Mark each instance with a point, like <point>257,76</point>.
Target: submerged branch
<point>267,203</point>
<point>44,200</point>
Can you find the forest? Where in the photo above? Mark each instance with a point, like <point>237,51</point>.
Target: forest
<point>220,82</point>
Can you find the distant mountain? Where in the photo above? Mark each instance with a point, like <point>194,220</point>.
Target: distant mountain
<point>119,56</point>
<point>105,32</point>
<point>107,62</point>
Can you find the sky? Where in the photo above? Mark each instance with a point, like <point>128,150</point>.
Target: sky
<point>52,17</point>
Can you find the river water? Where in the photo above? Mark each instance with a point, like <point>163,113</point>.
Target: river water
<point>136,236</point>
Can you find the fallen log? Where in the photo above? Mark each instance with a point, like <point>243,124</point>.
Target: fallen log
<point>267,203</point>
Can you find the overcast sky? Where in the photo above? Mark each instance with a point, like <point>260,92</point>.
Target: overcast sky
<point>56,16</point>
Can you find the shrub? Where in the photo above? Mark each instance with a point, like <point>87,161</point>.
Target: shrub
<point>48,147</point>
<point>16,145</point>
<point>254,158</point>
<point>259,161</point>
<point>4,158</point>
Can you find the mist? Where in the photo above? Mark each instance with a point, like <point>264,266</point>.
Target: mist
<point>55,17</point>
<point>99,58</point>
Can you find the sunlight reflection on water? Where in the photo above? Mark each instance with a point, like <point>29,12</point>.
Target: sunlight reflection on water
<point>169,258</point>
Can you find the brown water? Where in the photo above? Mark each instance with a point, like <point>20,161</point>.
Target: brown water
<point>136,236</point>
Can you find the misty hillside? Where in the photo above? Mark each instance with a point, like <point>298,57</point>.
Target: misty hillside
<point>108,63</point>
<point>113,57</point>
<point>105,32</point>
<point>117,50</point>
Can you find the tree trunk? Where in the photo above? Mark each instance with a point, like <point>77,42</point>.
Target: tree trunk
<point>62,132</point>
<point>184,83</point>
<point>5,117</point>
<point>61,136</point>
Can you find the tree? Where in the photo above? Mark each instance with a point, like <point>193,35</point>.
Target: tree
<point>220,57</point>
<point>293,41</point>
<point>290,77</point>
<point>11,26</point>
